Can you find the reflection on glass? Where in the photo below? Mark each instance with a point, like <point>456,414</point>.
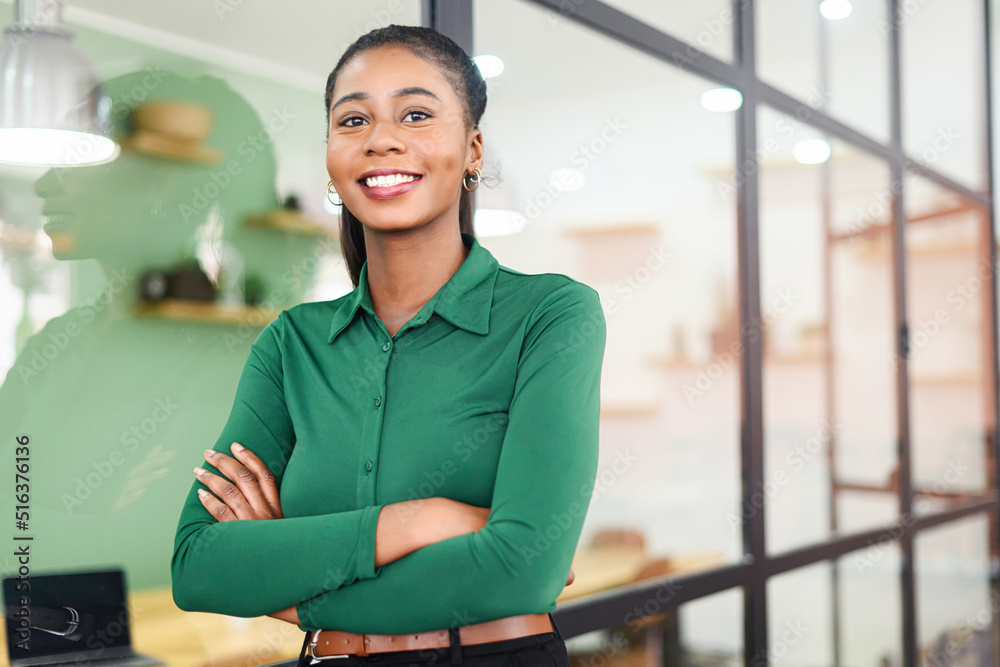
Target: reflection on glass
<point>707,631</point>
<point>942,58</point>
<point>632,192</point>
<point>800,617</point>
<point>868,626</point>
<point>948,302</point>
<point>116,404</point>
<point>842,614</point>
<point>954,600</point>
<point>711,630</point>
<point>837,65</point>
<point>826,306</point>
<point>707,25</point>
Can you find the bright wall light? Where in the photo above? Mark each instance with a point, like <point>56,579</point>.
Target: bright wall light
<point>811,151</point>
<point>722,99</point>
<point>835,9</point>
<point>498,222</point>
<point>489,66</point>
<point>53,108</point>
<point>37,146</point>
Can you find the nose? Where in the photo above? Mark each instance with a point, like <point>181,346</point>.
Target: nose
<point>383,137</point>
<point>49,183</point>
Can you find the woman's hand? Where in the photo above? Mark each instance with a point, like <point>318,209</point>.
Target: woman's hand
<point>444,518</point>
<point>254,495</point>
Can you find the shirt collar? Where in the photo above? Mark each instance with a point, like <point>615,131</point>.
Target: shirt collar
<point>464,300</point>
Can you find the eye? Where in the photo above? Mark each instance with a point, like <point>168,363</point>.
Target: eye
<point>419,113</point>
<point>345,121</point>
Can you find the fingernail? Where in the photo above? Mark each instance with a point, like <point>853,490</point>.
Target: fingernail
<point>199,471</point>
<point>209,453</point>
<point>237,447</point>
<point>202,492</point>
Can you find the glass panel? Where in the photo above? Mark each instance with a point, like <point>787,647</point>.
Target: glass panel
<point>942,59</point>
<point>869,602</point>
<point>948,304</point>
<point>706,25</point>
<point>838,64</point>
<point>707,631</point>
<point>712,630</point>
<point>120,402</point>
<point>646,216</point>
<point>955,605</point>
<point>847,614</point>
<point>826,307</point>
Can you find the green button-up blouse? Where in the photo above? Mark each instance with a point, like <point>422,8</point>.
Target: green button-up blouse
<point>489,395</point>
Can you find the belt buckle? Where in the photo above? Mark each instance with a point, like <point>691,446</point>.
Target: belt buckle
<point>312,653</point>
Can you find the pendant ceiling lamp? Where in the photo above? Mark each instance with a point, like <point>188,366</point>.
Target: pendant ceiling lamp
<point>53,109</point>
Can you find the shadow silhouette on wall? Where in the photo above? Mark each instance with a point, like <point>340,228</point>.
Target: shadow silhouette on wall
<point>117,408</point>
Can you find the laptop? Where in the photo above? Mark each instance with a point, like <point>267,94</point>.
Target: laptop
<point>79,618</point>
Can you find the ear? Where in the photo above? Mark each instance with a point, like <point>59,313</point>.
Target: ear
<point>475,153</point>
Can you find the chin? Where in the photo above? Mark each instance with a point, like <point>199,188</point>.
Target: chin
<point>63,245</point>
<point>384,221</point>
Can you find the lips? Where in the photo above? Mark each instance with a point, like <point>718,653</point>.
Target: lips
<point>57,223</point>
<point>389,191</point>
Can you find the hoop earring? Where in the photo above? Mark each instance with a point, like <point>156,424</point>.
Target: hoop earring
<point>329,192</point>
<point>479,176</point>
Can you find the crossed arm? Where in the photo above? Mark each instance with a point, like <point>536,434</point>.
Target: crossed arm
<point>247,491</point>
<point>505,560</point>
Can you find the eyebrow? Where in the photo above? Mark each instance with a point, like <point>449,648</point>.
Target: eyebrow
<point>402,92</point>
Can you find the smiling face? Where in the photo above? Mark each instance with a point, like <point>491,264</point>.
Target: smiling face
<point>396,113</point>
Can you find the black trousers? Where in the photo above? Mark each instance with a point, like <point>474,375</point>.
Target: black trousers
<point>544,650</point>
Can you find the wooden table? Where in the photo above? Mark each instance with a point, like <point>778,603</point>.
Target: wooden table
<point>600,569</point>
<point>194,639</point>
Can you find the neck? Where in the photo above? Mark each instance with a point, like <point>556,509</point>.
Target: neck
<point>119,296</point>
<point>405,269</point>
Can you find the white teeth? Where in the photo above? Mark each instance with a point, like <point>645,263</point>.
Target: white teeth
<point>388,181</point>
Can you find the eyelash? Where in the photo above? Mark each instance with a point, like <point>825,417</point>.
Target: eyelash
<point>343,123</point>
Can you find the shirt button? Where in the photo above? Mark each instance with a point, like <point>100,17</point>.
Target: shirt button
<point>378,401</point>
<point>368,466</point>
<point>385,348</point>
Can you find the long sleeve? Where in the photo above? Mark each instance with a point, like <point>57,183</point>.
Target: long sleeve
<point>252,568</point>
<point>518,562</point>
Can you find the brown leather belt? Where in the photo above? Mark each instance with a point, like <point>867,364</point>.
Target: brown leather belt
<point>337,643</point>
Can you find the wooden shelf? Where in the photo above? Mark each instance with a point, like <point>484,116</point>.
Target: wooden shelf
<point>794,358</point>
<point>613,230</point>
<point>884,226</point>
<point>967,377</point>
<point>23,239</point>
<point>629,409</point>
<point>205,311</point>
<point>284,220</point>
<point>680,363</point>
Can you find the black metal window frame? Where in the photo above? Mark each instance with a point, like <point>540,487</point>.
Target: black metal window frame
<point>455,18</point>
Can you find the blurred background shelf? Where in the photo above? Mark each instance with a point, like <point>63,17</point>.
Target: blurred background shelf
<point>287,221</point>
<point>203,311</point>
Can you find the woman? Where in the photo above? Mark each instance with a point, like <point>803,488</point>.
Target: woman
<point>415,459</point>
